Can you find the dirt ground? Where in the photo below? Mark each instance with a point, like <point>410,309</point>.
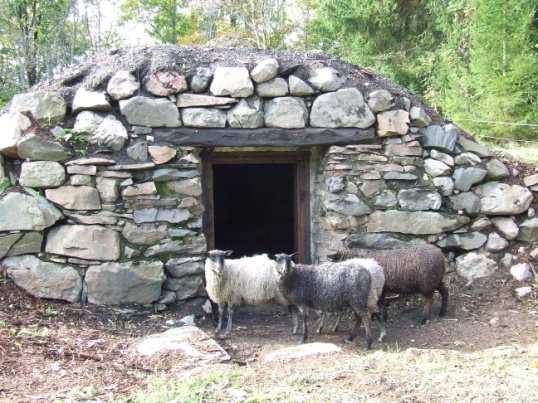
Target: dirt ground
<point>69,352</point>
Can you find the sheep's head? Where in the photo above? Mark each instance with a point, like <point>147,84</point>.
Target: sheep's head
<point>284,264</point>
<point>216,257</point>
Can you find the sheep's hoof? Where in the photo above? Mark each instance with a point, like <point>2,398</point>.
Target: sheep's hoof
<point>368,343</point>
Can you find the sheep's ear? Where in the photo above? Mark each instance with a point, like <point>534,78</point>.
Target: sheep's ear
<point>228,252</point>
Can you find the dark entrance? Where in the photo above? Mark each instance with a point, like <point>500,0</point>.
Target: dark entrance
<point>257,202</point>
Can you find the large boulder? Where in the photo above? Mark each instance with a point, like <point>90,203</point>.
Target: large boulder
<point>42,174</point>
<point>75,197</point>
<point>414,222</point>
<point>122,85</point>
<point>165,83</point>
<point>201,79</point>
<point>507,226</point>
<point>265,70</point>
<point>298,87</point>
<point>25,212</point>
<point>474,265</point>
<point>91,242</point>
<point>47,107</point>
<point>466,201</point>
<point>184,266</point>
<point>91,101</point>
<point>13,127</point>
<point>497,170</point>
<point>232,81</point>
<point>203,117</point>
<point>286,112</point>
<point>39,148</point>
<point>44,279</point>
<point>392,123</point>
<point>151,112</point>
<point>380,100</point>
<point>343,108</point>
<point>277,87</point>
<point>436,168</point>
<point>107,131</point>
<point>326,79</point>
<point>185,287</point>
<point>246,114</point>
<point>465,178</point>
<point>503,199</point>
<point>419,199</point>
<point>124,283</point>
<point>443,138</point>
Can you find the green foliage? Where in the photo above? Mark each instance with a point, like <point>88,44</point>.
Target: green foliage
<point>76,139</point>
<point>4,185</point>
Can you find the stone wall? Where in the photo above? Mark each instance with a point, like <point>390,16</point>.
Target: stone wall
<point>123,222</point>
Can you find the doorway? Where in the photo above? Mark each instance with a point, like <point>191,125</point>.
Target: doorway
<point>257,203</point>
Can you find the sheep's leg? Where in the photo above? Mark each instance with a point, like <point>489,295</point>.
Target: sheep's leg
<point>368,331</point>
<point>426,313</point>
<point>294,318</point>
<point>444,299</point>
<point>304,334</point>
<point>383,305</point>
<point>321,322</point>
<point>334,329</point>
<point>220,324</point>
<point>229,323</point>
<point>355,330</point>
<point>382,327</point>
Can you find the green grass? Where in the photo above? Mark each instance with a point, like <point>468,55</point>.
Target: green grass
<point>524,152</point>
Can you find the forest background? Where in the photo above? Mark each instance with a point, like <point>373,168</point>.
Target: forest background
<point>476,61</point>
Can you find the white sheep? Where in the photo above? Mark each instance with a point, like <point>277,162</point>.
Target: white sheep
<point>244,281</point>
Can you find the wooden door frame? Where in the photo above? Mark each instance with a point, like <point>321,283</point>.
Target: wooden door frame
<point>301,197</point>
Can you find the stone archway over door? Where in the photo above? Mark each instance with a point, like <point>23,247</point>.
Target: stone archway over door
<point>216,164</point>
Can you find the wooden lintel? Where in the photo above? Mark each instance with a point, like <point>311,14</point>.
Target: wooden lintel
<point>263,137</point>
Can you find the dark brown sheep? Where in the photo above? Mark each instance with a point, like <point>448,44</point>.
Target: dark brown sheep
<point>411,270</point>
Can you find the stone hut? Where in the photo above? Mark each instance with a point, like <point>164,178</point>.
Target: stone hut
<point>120,174</point>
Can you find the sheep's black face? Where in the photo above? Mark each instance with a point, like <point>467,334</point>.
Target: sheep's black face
<point>283,264</point>
<point>217,257</point>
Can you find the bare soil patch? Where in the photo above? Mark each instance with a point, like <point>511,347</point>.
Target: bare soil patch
<point>51,350</point>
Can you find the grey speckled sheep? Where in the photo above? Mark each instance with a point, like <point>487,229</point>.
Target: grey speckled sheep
<point>417,269</point>
<point>333,287</point>
<point>248,280</point>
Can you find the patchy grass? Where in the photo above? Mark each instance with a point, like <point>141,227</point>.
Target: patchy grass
<point>524,152</point>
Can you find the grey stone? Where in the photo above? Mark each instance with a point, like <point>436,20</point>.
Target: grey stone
<point>87,122</point>
<point>47,107</point>
<point>474,265</point>
<point>167,298</point>
<point>335,184</point>
<point>471,146</point>
<point>436,168</point>
<point>203,117</point>
<point>132,167</point>
<point>465,178</point>
<point>102,217</point>
<point>92,242</point>
<point>75,197</point>
<point>199,100</point>
<point>185,266</point>
<point>392,123</point>
<point>165,83</point>
<point>496,170</point>
<point>124,283</point>
<point>286,112</point>
<point>139,189</point>
<point>467,159</point>
<point>380,100</point>
<point>30,242</point>
<point>496,243</point>
<point>138,151</point>
<point>531,180</point>
<point>201,79</point>
<point>144,234</point>
<point>503,199</point>
<point>88,170</point>
<point>39,148</point>
<point>151,112</point>
<point>386,199</point>
<point>7,241</point>
<point>90,100</point>
<point>101,161</point>
<point>170,174</point>
<point>179,232</point>
<point>397,176</point>
<point>521,271</point>
<point>13,127</point>
<point>277,87</point>
<point>122,85</point>
<point>507,259</point>
<point>466,201</point>
<point>174,216</point>
<point>42,174</point>
<point>442,138</point>
<point>248,114</point>
<point>371,187</point>
<point>506,226</point>
<point>349,205</point>
<point>187,187</point>
<point>445,185</point>
<point>161,154</point>
<point>232,81</point>
<point>20,211</point>
<point>298,87</point>
<point>481,224</point>
<point>414,222</point>
<point>403,150</point>
<point>443,157</point>
<point>343,108</point>
<point>141,130</point>
<point>108,189</point>
<point>522,292</point>
<point>419,199</point>
<point>110,133</point>
<point>326,79</point>
<point>185,287</point>
<point>464,241</point>
<point>528,230</point>
<point>366,240</point>
<point>419,117</point>
<point>43,279</point>
<point>265,70</point>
